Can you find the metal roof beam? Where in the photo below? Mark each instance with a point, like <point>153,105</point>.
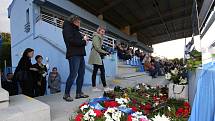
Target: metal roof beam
<point>172,33</point>
<point>166,14</point>
<point>143,28</point>
<point>112,4</point>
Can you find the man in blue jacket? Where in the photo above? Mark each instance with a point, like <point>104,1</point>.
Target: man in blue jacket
<point>75,44</point>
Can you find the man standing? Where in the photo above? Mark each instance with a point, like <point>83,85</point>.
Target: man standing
<point>75,44</point>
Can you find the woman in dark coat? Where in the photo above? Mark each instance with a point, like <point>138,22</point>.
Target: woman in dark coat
<point>24,73</point>
<point>40,76</point>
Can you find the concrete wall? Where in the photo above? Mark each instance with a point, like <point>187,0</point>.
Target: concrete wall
<point>17,24</point>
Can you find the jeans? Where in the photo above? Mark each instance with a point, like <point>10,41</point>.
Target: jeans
<point>95,70</point>
<point>77,69</point>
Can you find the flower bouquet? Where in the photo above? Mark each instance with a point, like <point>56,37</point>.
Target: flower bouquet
<point>178,88</point>
<point>177,76</point>
<point>194,61</point>
<point>141,103</point>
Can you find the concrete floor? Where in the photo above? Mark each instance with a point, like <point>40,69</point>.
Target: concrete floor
<point>62,111</point>
<point>126,77</point>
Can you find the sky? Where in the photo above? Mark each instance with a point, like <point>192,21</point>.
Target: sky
<point>175,48</point>
<point>170,50</point>
<point>4,21</point>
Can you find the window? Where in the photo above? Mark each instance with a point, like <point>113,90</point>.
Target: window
<point>27,25</point>
<point>27,16</point>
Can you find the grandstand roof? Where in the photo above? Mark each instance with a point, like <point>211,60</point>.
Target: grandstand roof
<point>153,21</point>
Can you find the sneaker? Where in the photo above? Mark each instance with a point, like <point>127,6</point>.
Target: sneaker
<point>82,95</point>
<point>95,89</point>
<point>106,89</point>
<point>67,98</point>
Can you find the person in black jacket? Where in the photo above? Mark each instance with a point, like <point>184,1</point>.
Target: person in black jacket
<point>40,76</point>
<point>8,84</point>
<point>23,73</point>
<point>75,44</point>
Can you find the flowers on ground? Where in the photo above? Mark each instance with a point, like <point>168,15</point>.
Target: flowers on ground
<point>138,116</point>
<point>83,107</point>
<point>132,104</point>
<point>90,115</point>
<point>183,111</point>
<point>110,104</point>
<point>160,118</point>
<point>112,114</point>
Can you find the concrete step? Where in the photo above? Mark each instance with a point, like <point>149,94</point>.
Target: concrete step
<point>125,70</point>
<point>130,75</point>
<point>4,98</point>
<point>132,81</point>
<point>23,108</point>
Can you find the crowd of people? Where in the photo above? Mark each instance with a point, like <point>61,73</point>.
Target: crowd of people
<point>153,65</point>
<point>30,79</point>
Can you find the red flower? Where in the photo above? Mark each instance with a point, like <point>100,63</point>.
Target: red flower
<point>142,107</point>
<point>79,117</point>
<point>146,112</point>
<point>179,112</point>
<point>129,118</point>
<point>147,106</point>
<point>134,101</point>
<point>110,104</point>
<point>98,113</point>
<point>186,113</point>
<point>163,97</point>
<point>186,105</point>
<point>83,104</point>
<point>134,108</point>
<point>155,98</point>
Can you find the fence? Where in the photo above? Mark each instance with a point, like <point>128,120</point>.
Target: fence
<point>108,41</point>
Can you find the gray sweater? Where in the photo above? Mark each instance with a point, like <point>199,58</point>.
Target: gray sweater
<point>54,82</point>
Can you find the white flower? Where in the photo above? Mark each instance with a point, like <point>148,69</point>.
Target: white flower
<point>169,108</point>
<point>123,105</point>
<point>183,81</point>
<point>84,107</point>
<point>160,118</point>
<point>89,116</point>
<point>168,76</point>
<point>138,87</point>
<point>175,71</point>
<point>114,116</point>
<point>138,116</point>
<point>121,101</point>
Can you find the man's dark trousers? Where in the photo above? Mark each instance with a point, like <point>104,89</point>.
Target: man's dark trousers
<point>77,69</point>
